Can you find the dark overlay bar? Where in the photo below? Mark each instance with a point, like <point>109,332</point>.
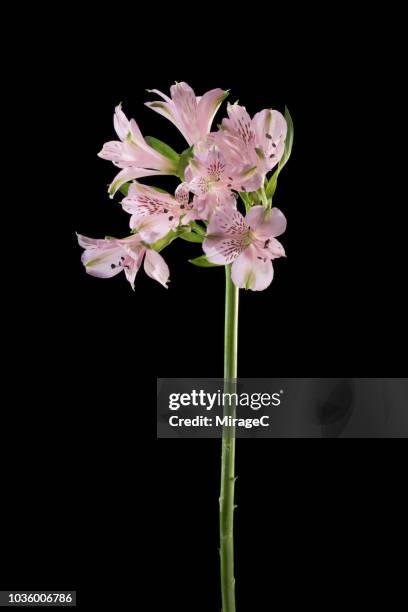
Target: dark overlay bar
<point>50,599</point>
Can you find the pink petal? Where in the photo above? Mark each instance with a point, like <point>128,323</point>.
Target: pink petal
<point>207,107</point>
<point>152,228</point>
<point>112,151</point>
<point>240,123</point>
<point>231,146</point>
<point>125,128</point>
<point>181,110</point>
<point>249,271</point>
<point>161,94</point>
<point>279,223</point>
<point>191,215</point>
<point>154,213</point>
<point>145,200</point>
<point>128,174</point>
<point>266,223</point>
<point>165,109</point>
<point>103,262</point>
<point>138,140</point>
<point>127,153</point>
<point>142,153</point>
<point>215,165</point>
<point>90,243</point>
<point>109,257</point>
<point>227,222</point>
<point>185,104</point>
<point>185,101</point>
<point>246,177</point>
<point>182,195</point>
<point>205,205</point>
<point>270,128</point>
<point>136,135</point>
<point>196,176</point>
<point>121,122</point>
<point>156,267</point>
<point>227,236</point>
<point>275,249</point>
<point>132,268</point>
<point>132,246</point>
<point>223,249</point>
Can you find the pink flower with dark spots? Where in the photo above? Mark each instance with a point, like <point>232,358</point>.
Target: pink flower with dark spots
<point>155,213</point>
<point>259,141</point>
<point>212,180</point>
<point>108,257</point>
<point>192,115</point>
<point>248,243</point>
<point>132,153</point>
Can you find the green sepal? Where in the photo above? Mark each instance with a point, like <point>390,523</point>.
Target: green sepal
<point>191,237</point>
<point>184,160</point>
<point>272,183</point>
<point>246,200</point>
<point>124,189</point>
<point>159,245</point>
<point>202,262</point>
<point>198,228</point>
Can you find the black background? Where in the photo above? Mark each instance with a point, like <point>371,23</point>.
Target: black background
<point>91,500</point>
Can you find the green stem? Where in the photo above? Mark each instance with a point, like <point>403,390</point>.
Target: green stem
<point>228,447</point>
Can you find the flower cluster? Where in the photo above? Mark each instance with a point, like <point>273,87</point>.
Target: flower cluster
<point>218,170</point>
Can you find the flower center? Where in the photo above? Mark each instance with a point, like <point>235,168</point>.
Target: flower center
<point>248,237</point>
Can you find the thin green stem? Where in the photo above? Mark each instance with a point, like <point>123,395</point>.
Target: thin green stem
<point>228,447</point>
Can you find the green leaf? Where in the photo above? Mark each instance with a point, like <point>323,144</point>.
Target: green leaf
<point>272,183</point>
<point>163,148</point>
<point>202,262</point>
<point>185,158</point>
<point>289,139</point>
<point>191,237</point>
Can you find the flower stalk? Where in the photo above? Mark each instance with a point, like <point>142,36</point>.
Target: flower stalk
<point>216,169</point>
<point>228,447</point>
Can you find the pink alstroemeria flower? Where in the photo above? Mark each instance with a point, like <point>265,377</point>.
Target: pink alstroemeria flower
<point>155,213</point>
<point>260,141</point>
<point>132,153</point>
<point>105,258</point>
<point>191,115</point>
<point>248,243</point>
<point>211,179</point>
